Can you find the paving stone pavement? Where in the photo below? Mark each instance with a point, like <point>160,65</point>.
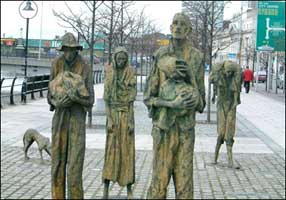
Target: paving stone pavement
<point>261,161</point>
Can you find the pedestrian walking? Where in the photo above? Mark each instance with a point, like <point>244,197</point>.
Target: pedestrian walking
<point>247,77</point>
<point>70,96</point>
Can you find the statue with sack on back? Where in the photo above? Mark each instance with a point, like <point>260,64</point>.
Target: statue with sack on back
<point>226,78</point>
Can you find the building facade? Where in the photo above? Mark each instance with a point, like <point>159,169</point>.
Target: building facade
<point>237,39</point>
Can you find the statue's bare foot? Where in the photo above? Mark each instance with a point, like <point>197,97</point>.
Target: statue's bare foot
<point>129,192</point>
<point>129,195</point>
<point>105,195</point>
<point>230,164</point>
<point>106,190</point>
<point>233,167</point>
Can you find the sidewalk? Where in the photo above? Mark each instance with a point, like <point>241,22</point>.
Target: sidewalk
<point>266,111</point>
<point>258,150</point>
<point>261,89</point>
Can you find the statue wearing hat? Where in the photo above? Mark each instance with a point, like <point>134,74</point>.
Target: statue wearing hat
<point>226,78</point>
<point>70,96</point>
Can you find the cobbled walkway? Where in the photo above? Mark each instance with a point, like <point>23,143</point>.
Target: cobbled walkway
<point>260,160</point>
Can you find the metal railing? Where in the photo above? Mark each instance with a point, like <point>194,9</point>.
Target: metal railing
<point>29,85</point>
<point>33,84</point>
<point>98,76</point>
<point>11,95</point>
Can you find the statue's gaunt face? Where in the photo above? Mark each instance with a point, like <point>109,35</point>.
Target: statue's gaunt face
<point>179,28</point>
<point>70,53</point>
<point>121,60</point>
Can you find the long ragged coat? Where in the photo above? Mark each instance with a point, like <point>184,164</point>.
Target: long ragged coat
<point>119,162</point>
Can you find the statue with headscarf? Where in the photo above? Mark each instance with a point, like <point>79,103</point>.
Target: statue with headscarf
<point>119,96</point>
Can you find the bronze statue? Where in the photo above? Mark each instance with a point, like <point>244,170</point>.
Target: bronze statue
<point>70,95</point>
<point>32,135</point>
<point>226,78</point>
<point>174,92</point>
<point>119,96</point>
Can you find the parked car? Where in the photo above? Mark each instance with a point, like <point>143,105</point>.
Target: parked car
<point>261,76</point>
<point>281,81</point>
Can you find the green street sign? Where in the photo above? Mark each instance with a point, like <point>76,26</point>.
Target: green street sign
<point>271,25</point>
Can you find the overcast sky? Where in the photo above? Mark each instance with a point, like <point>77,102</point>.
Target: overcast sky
<point>11,22</point>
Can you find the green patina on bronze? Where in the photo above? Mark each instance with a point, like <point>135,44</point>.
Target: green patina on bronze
<point>70,95</point>
<point>119,96</point>
<point>226,78</point>
<point>174,92</point>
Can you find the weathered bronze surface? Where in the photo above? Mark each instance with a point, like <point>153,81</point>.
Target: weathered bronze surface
<point>174,92</point>
<point>32,135</point>
<point>71,95</point>
<point>226,78</point>
<point>119,96</point>
<point>65,85</point>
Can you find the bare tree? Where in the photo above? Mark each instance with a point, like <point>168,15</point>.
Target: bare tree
<point>146,45</point>
<point>129,25</point>
<point>117,22</point>
<point>107,24</point>
<point>152,45</point>
<point>214,27</point>
<point>120,24</point>
<point>205,17</point>
<point>126,19</point>
<point>81,22</point>
<point>132,39</point>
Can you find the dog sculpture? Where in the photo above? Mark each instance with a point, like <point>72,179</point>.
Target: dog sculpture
<point>32,135</point>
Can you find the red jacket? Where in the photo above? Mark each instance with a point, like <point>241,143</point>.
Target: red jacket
<point>247,75</point>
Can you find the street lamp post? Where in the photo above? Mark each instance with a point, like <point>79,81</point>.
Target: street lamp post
<point>27,12</point>
<point>103,54</point>
<point>41,28</point>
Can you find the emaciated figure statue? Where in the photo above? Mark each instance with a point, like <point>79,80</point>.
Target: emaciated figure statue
<point>70,95</point>
<point>226,78</point>
<point>119,96</point>
<point>174,92</point>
